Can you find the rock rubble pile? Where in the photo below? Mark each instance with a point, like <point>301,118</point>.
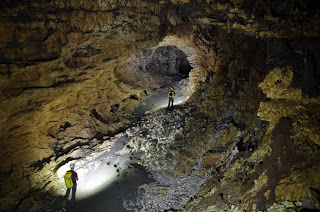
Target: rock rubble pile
<point>156,138</point>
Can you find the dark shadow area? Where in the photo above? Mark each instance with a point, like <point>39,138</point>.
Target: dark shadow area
<point>311,75</point>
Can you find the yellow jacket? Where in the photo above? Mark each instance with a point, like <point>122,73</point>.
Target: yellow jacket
<point>171,94</point>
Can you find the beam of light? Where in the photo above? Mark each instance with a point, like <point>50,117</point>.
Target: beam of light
<point>94,176</point>
<point>181,99</point>
<point>177,101</point>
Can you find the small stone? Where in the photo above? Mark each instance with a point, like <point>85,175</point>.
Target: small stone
<point>210,159</point>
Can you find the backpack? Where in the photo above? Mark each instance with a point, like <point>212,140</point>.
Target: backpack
<point>68,179</point>
<point>171,94</point>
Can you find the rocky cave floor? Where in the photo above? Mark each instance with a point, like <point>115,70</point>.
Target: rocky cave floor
<point>139,181</point>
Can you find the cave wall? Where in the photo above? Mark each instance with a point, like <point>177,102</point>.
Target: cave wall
<point>58,83</point>
<point>256,131</point>
<point>253,120</point>
<point>64,70</point>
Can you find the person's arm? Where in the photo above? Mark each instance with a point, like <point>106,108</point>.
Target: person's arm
<point>74,176</point>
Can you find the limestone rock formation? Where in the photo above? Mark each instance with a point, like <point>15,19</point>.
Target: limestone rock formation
<point>73,75</point>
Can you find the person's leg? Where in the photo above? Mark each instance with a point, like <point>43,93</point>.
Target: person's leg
<point>74,189</point>
<point>169,103</point>
<point>172,102</point>
<point>67,194</point>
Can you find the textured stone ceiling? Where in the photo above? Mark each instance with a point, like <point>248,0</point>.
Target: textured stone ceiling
<point>73,72</point>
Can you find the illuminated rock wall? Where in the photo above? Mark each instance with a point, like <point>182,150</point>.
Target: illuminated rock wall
<point>67,81</point>
<point>58,83</point>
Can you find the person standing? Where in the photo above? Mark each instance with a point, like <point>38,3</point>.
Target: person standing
<point>171,97</point>
<point>71,178</point>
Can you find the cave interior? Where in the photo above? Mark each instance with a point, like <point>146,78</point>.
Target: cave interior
<point>87,82</point>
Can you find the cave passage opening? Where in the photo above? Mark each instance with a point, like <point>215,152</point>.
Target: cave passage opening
<point>169,60</point>
<point>166,66</point>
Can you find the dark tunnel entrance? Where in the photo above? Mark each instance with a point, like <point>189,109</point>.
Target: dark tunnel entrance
<point>168,60</point>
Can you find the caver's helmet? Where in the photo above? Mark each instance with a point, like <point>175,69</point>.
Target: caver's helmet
<point>172,88</point>
<point>72,165</point>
